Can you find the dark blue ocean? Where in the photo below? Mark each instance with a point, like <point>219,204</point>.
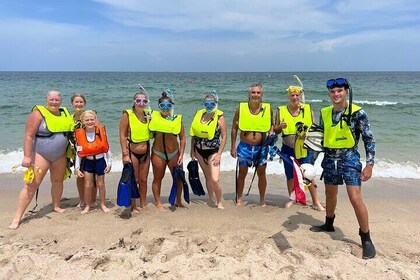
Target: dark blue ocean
<point>391,99</point>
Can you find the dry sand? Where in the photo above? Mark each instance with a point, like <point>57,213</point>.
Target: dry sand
<point>202,242</point>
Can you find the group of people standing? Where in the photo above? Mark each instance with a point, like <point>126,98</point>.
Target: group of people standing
<point>49,127</point>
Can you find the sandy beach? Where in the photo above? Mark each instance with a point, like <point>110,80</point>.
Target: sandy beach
<point>202,242</point>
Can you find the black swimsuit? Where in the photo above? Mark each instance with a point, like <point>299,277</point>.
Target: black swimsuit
<point>211,146</point>
<point>141,157</point>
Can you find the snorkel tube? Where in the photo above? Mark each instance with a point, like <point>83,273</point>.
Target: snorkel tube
<point>301,85</point>
<point>148,109</point>
<point>171,96</point>
<point>348,116</point>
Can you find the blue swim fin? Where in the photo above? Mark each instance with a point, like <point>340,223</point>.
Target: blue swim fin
<point>194,178</point>
<point>181,174</point>
<point>172,194</point>
<point>134,188</point>
<point>124,187</point>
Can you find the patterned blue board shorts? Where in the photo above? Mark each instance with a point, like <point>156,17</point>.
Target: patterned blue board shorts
<point>288,168</point>
<point>339,171</point>
<point>248,154</point>
<point>94,166</point>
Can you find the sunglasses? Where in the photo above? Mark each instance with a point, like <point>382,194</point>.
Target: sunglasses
<point>142,101</point>
<point>339,82</point>
<point>165,105</point>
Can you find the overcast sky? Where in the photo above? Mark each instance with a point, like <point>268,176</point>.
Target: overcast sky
<point>215,35</point>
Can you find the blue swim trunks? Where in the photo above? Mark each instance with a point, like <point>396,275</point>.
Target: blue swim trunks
<point>288,168</point>
<point>339,171</point>
<point>248,154</point>
<point>94,166</point>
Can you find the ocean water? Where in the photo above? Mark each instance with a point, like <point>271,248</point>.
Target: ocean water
<point>391,99</point>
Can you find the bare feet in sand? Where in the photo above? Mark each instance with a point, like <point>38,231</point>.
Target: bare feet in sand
<point>105,209</point>
<point>289,204</point>
<point>85,211</point>
<point>220,206</point>
<point>14,225</point>
<point>318,206</point>
<point>239,202</point>
<point>160,206</point>
<point>135,210</point>
<point>59,210</point>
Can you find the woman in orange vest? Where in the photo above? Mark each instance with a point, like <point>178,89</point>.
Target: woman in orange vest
<point>93,157</point>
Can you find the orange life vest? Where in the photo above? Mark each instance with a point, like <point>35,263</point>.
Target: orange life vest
<point>98,146</point>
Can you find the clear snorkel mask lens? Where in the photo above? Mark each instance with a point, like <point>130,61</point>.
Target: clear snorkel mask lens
<point>209,105</point>
<point>165,105</point>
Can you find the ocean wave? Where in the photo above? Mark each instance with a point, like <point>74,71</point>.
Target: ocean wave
<point>383,168</point>
<point>377,103</point>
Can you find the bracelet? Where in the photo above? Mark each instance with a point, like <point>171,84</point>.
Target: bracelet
<point>125,153</point>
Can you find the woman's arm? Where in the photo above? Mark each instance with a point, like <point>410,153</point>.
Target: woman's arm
<point>182,144</point>
<point>123,132</point>
<point>32,125</point>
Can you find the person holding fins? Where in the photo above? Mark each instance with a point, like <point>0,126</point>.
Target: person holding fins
<point>167,128</point>
<point>292,121</point>
<point>78,101</point>
<point>209,135</point>
<point>135,142</point>
<point>254,120</point>
<point>343,124</point>
<point>93,158</point>
<point>44,148</point>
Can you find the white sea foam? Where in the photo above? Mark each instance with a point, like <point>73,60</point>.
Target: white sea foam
<point>377,103</point>
<point>384,169</point>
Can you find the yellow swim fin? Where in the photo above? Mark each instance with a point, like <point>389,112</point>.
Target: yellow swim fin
<point>300,150</point>
<point>29,174</point>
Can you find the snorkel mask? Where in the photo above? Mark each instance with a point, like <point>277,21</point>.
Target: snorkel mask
<point>167,105</point>
<point>209,104</point>
<point>143,102</point>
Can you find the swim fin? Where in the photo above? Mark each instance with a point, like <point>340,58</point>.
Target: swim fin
<point>181,174</point>
<point>178,173</point>
<point>314,138</point>
<point>124,187</point>
<point>194,178</point>
<point>300,150</point>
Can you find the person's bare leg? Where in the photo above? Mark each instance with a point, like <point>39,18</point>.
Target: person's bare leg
<point>27,193</point>
<point>57,170</point>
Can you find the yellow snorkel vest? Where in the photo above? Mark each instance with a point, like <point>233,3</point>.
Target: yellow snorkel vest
<point>207,129</point>
<point>160,124</point>
<point>260,122</point>
<point>337,136</point>
<point>305,116</point>
<point>139,131</point>
<point>55,124</point>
